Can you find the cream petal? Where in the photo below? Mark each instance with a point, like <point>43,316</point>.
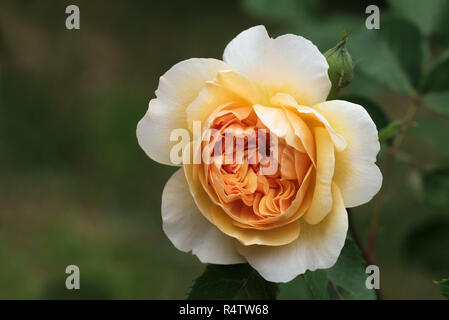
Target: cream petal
<point>289,63</point>
<point>317,247</point>
<point>178,87</point>
<point>189,230</point>
<point>356,172</point>
<point>322,195</point>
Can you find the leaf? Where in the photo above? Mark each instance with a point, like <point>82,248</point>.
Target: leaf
<point>375,111</point>
<point>316,282</point>
<point>442,30</point>
<point>436,78</point>
<point>426,15</point>
<point>437,101</point>
<point>391,55</point>
<point>389,131</point>
<point>345,280</point>
<point>236,282</point>
<point>430,137</point>
<point>436,187</point>
<point>349,272</point>
<point>435,85</point>
<point>444,287</point>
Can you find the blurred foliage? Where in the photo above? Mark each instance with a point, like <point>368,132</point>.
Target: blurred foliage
<point>77,189</point>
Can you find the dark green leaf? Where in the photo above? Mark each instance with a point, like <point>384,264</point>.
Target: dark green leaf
<point>238,281</point>
<point>437,101</point>
<point>316,282</point>
<point>442,30</point>
<point>391,55</point>
<point>444,287</point>
<point>422,13</point>
<point>435,85</point>
<point>308,286</point>
<point>349,272</point>
<point>436,187</point>
<point>436,78</point>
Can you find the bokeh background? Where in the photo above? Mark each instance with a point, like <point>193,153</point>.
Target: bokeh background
<point>75,188</point>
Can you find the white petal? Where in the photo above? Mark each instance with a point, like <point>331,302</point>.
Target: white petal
<point>178,87</point>
<point>289,63</point>
<point>356,172</point>
<point>317,247</point>
<point>187,228</point>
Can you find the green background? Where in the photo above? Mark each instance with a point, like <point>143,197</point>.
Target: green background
<point>75,188</point>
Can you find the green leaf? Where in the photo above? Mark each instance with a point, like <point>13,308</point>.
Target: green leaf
<point>444,287</point>
<point>236,282</point>
<point>316,282</point>
<point>349,272</point>
<point>436,78</point>
<point>376,113</point>
<point>426,15</point>
<point>437,101</point>
<point>345,280</point>
<point>435,85</point>
<point>436,187</point>
<point>391,55</point>
<point>442,30</point>
<point>389,131</point>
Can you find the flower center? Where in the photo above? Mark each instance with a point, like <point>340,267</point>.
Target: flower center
<point>255,176</point>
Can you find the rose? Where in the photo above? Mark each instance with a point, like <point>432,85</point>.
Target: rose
<point>282,223</point>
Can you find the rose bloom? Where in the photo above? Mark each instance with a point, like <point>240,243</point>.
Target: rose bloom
<point>284,222</point>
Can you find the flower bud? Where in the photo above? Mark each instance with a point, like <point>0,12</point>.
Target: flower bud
<point>340,67</point>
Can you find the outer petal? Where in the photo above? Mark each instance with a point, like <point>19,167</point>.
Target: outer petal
<point>356,173</point>
<point>178,87</point>
<point>187,228</point>
<point>288,63</point>
<point>317,247</point>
